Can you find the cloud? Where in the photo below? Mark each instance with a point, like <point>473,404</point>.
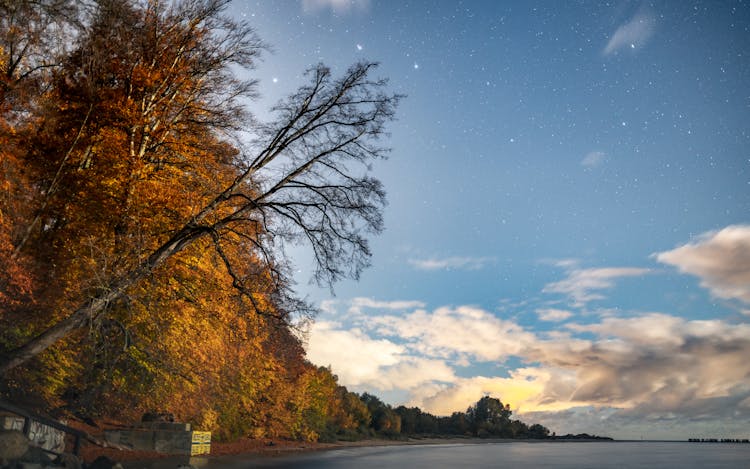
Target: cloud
<point>413,373</point>
<point>415,350</point>
<point>564,263</point>
<point>653,365</point>
<point>553,315</point>
<point>720,259</point>
<point>336,6</point>
<point>357,304</point>
<point>582,285</point>
<point>354,356</point>
<point>361,361</point>
<point>633,34</point>
<point>458,263</point>
<point>631,374</point>
<point>516,390</point>
<point>593,159</point>
<point>456,333</point>
<point>621,424</point>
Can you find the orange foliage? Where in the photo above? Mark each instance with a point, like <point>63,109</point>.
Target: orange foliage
<point>122,148</point>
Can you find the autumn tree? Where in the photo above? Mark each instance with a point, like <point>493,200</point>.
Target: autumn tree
<point>145,153</point>
<point>385,420</point>
<point>31,47</point>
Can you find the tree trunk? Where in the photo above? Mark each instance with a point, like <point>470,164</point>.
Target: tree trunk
<point>91,308</point>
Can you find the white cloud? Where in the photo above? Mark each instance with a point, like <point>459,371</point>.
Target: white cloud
<point>653,367</point>
<point>582,285</point>
<point>354,356</point>
<point>336,6</point>
<point>458,263</point>
<point>647,329</point>
<point>633,34</point>
<point>364,362</point>
<point>328,306</point>
<point>357,304</point>
<point>720,259</point>
<point>593,159</point>
<point>413,372</point>
<point>564,263</point>
<point>648,367</point>
<point>553,315</point>
<point>456,333</point>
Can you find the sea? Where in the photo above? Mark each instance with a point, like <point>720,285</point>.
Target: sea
<point>527,455</point>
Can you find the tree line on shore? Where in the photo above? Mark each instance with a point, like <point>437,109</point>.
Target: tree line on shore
<point>487,418</point>
<point>144,212</point>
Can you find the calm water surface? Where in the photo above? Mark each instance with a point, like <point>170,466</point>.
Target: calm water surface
<point>509,455</point>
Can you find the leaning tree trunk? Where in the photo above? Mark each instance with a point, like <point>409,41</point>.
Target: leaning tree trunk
<point>96,305</point>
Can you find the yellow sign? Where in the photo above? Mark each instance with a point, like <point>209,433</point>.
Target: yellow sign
<point>201,443</point>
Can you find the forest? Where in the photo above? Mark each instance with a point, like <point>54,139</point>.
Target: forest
<point>144,215</point>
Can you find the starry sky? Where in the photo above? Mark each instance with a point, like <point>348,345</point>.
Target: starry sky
<point>568,226</point>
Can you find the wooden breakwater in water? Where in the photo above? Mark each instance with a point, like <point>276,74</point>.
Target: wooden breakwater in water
<point>719,440</point>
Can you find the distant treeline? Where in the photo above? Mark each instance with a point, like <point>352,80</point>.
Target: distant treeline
<point>487,418</point>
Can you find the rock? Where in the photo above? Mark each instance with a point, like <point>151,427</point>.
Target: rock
<point>36,455</point>
<point>29,465</point>
<point>13,445</point>
<point>103,462</point>
<point>68,461</point>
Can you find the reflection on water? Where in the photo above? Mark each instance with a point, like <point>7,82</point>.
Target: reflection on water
<point>515,454</point>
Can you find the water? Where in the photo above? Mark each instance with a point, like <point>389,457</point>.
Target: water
<point>507,455</point>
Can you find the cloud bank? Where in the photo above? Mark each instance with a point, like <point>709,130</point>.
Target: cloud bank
<point>647,368</point>
<point>721,260</point>
<point>624,373</point>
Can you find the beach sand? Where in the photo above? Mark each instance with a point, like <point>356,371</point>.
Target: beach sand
<point>246,448</point>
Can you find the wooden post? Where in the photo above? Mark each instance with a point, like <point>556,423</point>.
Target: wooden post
<point>77,444</point>
<point>26,425</point>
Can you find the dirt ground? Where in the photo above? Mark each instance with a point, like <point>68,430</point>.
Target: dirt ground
<point>259,447</point>
<point>242,446</point>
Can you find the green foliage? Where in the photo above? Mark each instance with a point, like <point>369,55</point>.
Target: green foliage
<point>489,417</point>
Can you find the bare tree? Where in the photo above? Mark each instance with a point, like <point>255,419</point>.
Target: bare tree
<point>302,177</point>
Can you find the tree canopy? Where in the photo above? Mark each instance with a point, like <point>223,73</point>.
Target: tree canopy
<point>140,146</point>
<point>144,211</point>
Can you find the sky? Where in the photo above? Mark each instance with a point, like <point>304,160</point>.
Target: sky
<point>568,226</point>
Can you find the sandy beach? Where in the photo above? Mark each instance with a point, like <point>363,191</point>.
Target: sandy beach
<point>249,449</point>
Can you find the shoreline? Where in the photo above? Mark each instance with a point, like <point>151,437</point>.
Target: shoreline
<point>262,449</point>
